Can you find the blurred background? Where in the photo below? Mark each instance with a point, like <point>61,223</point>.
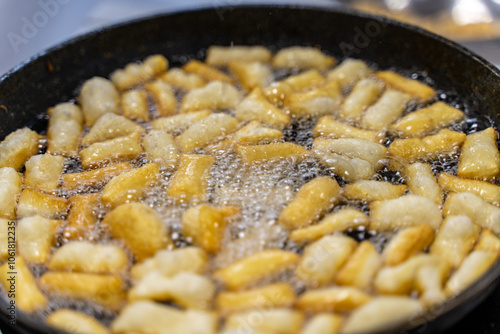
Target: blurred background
<point>28,27</point>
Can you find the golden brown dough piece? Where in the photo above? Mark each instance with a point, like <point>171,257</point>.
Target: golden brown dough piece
<point>206,225</point>
<point>480,158</point>
<point>18,147</point>
<point>311,201</point>
<point>10,188</point>
<point>64,130</point>
<point>74,321</point>
<point>139,227</point>
<point>28,296</point>
<point>98,96</point>
<point>189,183</point>
<point>256,267</point>
<point>130,185</point>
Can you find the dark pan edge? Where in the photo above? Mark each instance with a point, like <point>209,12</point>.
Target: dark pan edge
<point>336,9</point>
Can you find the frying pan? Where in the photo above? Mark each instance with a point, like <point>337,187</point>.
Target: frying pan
<point>464,80</point>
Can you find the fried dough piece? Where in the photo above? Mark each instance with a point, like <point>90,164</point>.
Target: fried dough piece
<point>105,290</point>
<point>480,158</point>
<point>223,55</point>
<point>256,267</point>
<point>361,267</point>
<point>277,294</point>
<point>43,172</point>
<point>405,211</point>
<point>97,97</point>
<point>64,130</point>
<point>413,87</point>
<point>271,320</point>
<point>18,147</point>
<point>323,259</point>
<point>189,183</point>
<point>422,182</point>
<point>136,73</point>
<point>302,58</point>
<point>380,313</point>
<point>455,239</point>
<point>145,317</point>
<point>10,188</point>
<point>486,190</point>
<point>29,297</point>
<point>130,185</point>
<point>332,299</point>
<point>425,120</point>
<point>73,321</point>
<point>84,256</point>
<point>408,242</point>
<point>349,72</point>
<point>478,210</point>
<point>311,201</point>
<point>206,225</point>
<point>110,126</point>
<point>36,236</point>
<point>139,227</point>
<point>338,221</point>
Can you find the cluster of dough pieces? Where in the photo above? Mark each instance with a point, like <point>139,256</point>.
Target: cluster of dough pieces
<point>148,120</point>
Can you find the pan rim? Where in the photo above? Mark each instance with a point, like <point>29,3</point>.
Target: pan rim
<point>309,7</point>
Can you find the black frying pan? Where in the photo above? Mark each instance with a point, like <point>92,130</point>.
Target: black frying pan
<point>465,79</point>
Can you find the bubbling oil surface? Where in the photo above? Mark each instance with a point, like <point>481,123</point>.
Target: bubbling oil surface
<point>260,190</point>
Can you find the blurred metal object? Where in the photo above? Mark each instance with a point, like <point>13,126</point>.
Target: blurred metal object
<point>397,5</point>
<point>460,20</point>
<point>430,7</point>
<point>466,12</point>
<point>494,6</point>
<point>462,11</point>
